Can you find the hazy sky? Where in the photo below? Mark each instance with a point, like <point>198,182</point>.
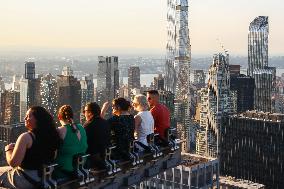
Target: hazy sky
<point>135,24</point>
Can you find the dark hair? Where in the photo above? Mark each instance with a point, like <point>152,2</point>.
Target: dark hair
<point>45,130</point>
<point>94,108</point>
<point>65,112</point>
<point>153,92</point>
<point>121,103</point>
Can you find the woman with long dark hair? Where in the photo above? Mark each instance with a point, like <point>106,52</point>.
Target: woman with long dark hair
<point>32,149</point>
<point>74,142</point>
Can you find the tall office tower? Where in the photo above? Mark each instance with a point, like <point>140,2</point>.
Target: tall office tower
<point>29,89</point>
<point>244,88</point>
<point>182,68</point>
<point>67,71</point>
<point>258,64</point>
<point>23,98</point>
<point>16,83</point>
<point>10,107</point>
<point>170,76</point>
<point>159,82</point>
<point>134,77</point>
<point>107,79</point>
<point>87,89</point>
<point>29,70</point>
<point>48,94</point>
<point>220,100</point>
<point>69,92</point>
<point>252,147</point>
<point>258,44</point>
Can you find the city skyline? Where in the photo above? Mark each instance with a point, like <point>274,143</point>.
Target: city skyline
<point>135,26</point>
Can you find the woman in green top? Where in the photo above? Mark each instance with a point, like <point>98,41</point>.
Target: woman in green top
<point>74,142</point>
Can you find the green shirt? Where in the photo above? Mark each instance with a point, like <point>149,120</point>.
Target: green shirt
<point>70,147</point>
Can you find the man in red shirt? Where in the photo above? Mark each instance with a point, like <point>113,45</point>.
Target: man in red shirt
<point>160,113</point>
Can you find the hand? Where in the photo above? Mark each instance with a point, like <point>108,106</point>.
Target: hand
<point>106,105</point>
<point>9,147</point>
<point>104,109</point>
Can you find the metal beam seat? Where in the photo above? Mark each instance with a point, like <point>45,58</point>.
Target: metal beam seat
<point>171,139</point>
<point>80,177</point>
<point>111,165</point>
<point>134,155</point>
<point>154,149</point>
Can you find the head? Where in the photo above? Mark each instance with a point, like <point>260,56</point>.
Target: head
<point>140,103</point>
<point>41,123</point>
<point>92,109</point>
<point>120,105</point>
<point>65,113</point>
<point>153,97</point>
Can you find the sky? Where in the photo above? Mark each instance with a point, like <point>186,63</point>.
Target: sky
<point>134,25</point>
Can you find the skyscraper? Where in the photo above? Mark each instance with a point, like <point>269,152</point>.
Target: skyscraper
<point>87,89</point>
<point>15,83</point>
<point>69,91</point>
<point>170,78</point>
<point>134,77</point>
<point>29,89</point>
<point>220,100</point>
<point>177,77</point>
<point>258,44</point>
<point>10,107</point>
<point>258,64</point>
<point>29,70</point>
<point>48,94</point>
<point>107,79</point>
<point>159,82</point>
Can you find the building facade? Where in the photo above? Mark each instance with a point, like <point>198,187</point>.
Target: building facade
<point>48,94</point>
<point>69,92</point>
<point>263,89</point>
<point>134,77</point>
<point>220,100</point>
<point>252,147</point>
<point>87,89</point>
<point>258,64</point>
<point>107,79</point>
<point>29,89</point>
<point>159,82</point>
<point>244,87</point>
<point>10,107</point>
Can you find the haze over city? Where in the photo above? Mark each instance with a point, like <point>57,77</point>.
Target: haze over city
<point>133,26</point>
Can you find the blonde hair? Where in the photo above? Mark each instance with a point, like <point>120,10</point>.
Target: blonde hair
<point>141,100</point>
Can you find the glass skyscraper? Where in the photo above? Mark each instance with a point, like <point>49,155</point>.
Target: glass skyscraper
<point>258,64</point>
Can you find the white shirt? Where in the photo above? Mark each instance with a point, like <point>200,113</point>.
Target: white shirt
<point>146,127</point>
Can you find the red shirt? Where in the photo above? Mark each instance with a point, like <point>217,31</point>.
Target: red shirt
<point>161,115</point>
